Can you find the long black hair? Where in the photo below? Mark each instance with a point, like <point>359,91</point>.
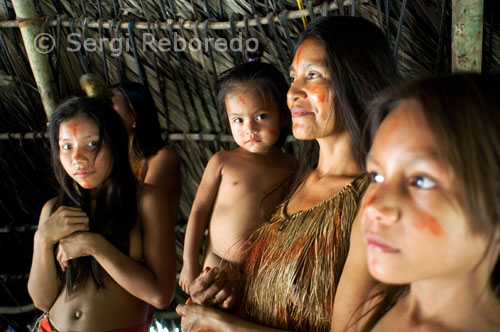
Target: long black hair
<point>147,134</point>
<point>360,64</point>
<point>116,209</point>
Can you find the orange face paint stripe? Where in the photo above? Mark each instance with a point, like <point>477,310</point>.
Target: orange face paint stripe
<point>298,56</point>
<point>428,223</point>
<point>75,129</point>
<point>367,204</point>
<point>320,93</point>
<point>273,132</point>
<point>241,100</point>
<point>289,101</point>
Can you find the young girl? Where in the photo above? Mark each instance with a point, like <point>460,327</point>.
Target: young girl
<point>107,234</point>
<point>241,188</point>
<point>152,162</point>
<point>431,218</point>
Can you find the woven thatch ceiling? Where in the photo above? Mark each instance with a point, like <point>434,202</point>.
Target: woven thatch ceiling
<point>182,83</point>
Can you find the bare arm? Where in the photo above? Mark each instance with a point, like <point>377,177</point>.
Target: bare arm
<point>43,282</point>
<point>164,172</point>
<point>153,282</point>
<point>202,318</point>
<point>198,220</point>
<point>354,286</point>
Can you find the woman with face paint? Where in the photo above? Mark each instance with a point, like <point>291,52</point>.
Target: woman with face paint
<point>292,267</point>
<point>103,253</point>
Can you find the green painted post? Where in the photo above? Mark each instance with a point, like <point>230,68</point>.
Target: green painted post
<point>467,35</point>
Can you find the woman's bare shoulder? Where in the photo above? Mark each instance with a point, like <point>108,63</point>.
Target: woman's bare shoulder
<point>147,191</point>
<point>165,155</point>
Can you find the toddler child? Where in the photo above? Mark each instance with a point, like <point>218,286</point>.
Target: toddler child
<point>241,188</point>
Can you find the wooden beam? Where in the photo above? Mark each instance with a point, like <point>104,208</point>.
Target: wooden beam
<point>191,25</point>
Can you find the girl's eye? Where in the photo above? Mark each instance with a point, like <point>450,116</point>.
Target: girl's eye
<point>423,182</point>
<point>66,146</point>
<point>238,120</point>
<point>292,79</point>
<point>92,143</point>
<point>376,177</point>
<point>261,116</point>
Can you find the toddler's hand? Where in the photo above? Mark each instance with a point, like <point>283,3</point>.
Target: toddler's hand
<point>188,274</point>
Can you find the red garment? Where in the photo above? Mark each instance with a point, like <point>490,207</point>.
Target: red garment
<point>46,327</point>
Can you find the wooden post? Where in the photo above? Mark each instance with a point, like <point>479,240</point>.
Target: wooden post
<point>467,35</point>
<point>29,25</point>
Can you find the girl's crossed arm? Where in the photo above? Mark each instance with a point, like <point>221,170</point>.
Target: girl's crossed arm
<point>153,282</point>
<point>42,283</point>
<point>199,218</point>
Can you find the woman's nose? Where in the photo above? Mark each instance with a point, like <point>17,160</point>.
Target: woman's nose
<point>294,92</point>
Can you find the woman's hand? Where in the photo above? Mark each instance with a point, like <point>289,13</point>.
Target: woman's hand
<point>198,318</point>
<point>189,273</point>
<point>213,287</point>
<point>75,245</point>
<point>63,222</point>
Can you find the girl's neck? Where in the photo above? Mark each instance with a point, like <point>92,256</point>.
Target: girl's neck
<point>454,301</point>
<point>336,157</point>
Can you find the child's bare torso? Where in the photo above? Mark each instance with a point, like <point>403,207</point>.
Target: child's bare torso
<point>251,187</point>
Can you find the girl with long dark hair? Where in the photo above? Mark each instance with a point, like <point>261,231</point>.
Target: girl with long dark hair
<point>103,251</point>
<point>431,220</point>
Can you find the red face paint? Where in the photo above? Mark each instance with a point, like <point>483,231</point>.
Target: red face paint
<point>367,204</point>
<point>77,154</point>
<point>320,93</point>
<point>75,129</point>
<point>430,224</point>
<point>297,56</point>
<point>295,126</point>
<point>241,100</point>
<point>85,184</point>
<point>289,100</point>
<point>273,133</point>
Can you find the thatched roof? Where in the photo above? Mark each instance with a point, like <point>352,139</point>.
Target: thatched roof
<point>182,83</point>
